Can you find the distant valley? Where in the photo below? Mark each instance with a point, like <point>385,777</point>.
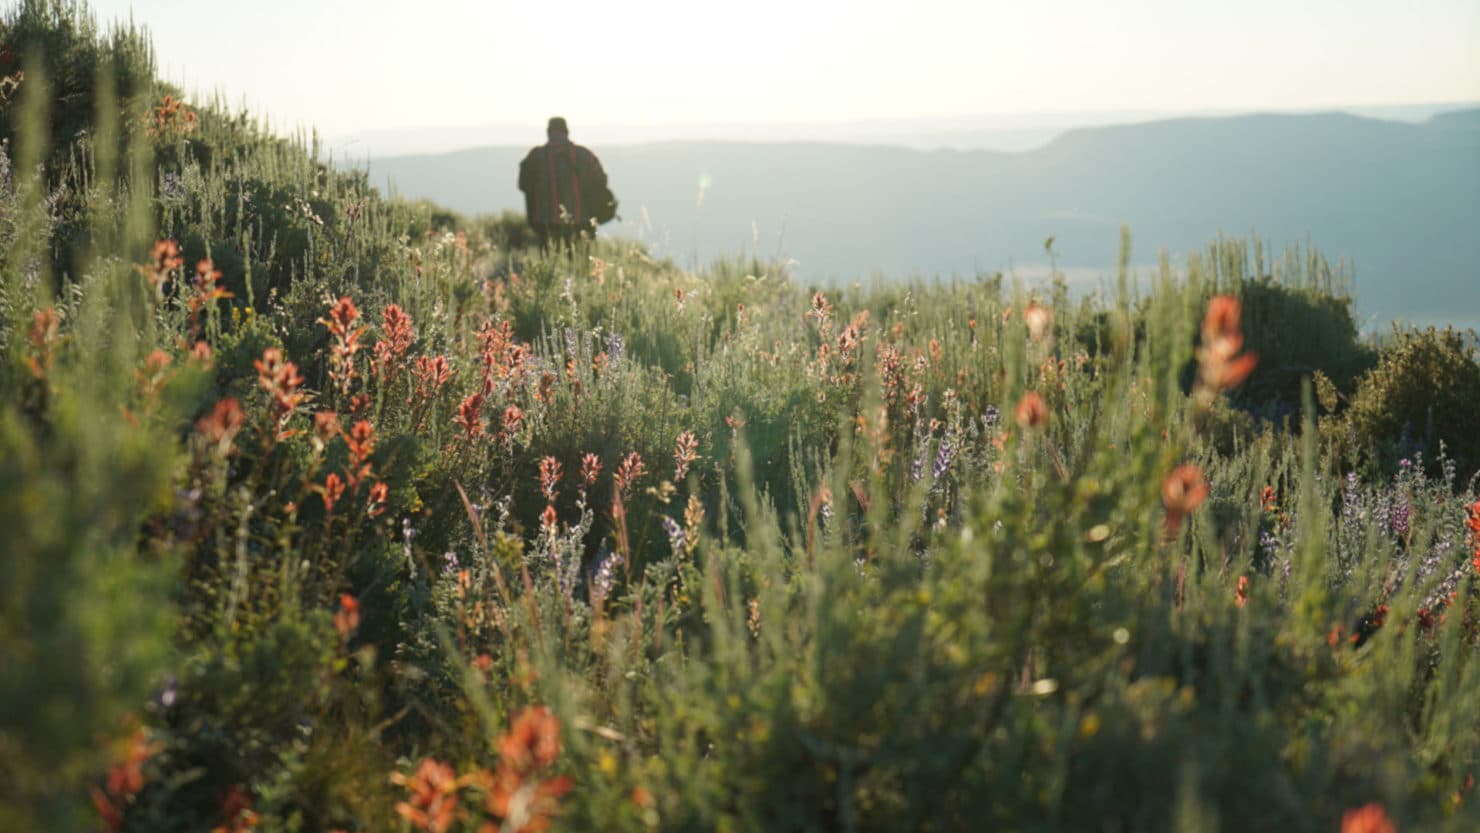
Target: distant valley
<point>1401,200</point>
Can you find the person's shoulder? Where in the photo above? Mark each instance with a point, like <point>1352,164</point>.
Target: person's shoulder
<point>585,151</point>
<point>534,152</point>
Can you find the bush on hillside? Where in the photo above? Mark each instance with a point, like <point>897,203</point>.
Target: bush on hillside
<point>1297,332</point>
<point>1421,396</point>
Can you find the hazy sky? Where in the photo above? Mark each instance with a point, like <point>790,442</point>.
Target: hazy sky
<point>345,65</point>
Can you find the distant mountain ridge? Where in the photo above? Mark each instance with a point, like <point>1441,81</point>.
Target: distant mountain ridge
<point>1401,200</point>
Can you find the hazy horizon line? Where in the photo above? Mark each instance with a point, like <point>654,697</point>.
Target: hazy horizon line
<point>1436,105</point>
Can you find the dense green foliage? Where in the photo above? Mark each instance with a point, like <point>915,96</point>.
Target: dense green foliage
<point>604,543</point>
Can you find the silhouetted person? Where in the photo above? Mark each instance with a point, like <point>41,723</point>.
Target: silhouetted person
<point>565,190</point>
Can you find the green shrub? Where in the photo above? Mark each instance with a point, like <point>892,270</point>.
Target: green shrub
<point>1421,397</point>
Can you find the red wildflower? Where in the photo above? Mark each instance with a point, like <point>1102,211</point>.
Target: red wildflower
<point>164,260</point>
<point>326,425</point>
<point>433,799</point>
<point>1031,412</point>
<point>469,415</point>
<point>347,618</point>
<point>333,490</point>
<point>236,806</point>
<point>549,477</point>
<point>1267,499</point>
<point>346,336</point>
<point>378,495</point>
<point>533,740</point>
<point>1182,492</point>
<point>361,441</point>
<point>684,454</point>
<point>628,472</point>
<point>1241,592</point>
<point>221,425</point>
<point>513,420</point>
<point>206,290</point>
<point>516,793</point>
<point>43,334</point>
<point>397,336</point>
<point>432,372</point>
<point>1221,366</point>
<point>1371,818</point>
<point>821,310</point>
<point>125,780</point>
<point>1473,522</point>
<point>1335,635</point>
<point>590,468</point>
<point>281,380</point>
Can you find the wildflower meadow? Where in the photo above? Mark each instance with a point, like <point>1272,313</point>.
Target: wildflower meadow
<point>326,511</point>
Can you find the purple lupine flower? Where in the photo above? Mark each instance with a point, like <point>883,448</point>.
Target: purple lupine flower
<point>991,416</point>
<point>677,538</point>
<point>1401,515</point>
<point>604,576</point>
<point>1349,497</point>
<point>615,345</point>
<point>570,342</point>
<point>944,456</point>
<point>450,564</point>
<point>1269,544</point>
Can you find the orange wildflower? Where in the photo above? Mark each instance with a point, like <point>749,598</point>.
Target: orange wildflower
<point>236,806</point>
<point>221,425</point>
<point>515,792</point>
<point>43,334</point>
<point>378,494</point>
<point>1031,412</point>
<point>628,472</point>
<point>532,742</point>
<point>1370,818</point>
<point>433,799</point>
<point>590,469</point>
<point>333,490</point>
<point>125,780</point>
<point>326,425</point>
<point>1182,492</point>
<point>398,336</point>
<point>280,379</point>
<point>1267,500</point>
<point>469,415</point>
<point>549,477</point>
<point>341,325</point>
<point>1221,366</point>
<point>684,454</point>
<point>513,419</point>
<point>347,618</point>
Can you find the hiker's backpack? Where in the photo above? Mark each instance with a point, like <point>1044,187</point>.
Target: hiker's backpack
<point>604,206</point>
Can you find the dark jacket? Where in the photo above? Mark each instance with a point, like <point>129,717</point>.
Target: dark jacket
<point>562,182</point>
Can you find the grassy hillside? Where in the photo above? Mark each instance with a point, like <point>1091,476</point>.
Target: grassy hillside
<point>324,511</point>
<point>1398,200</point>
